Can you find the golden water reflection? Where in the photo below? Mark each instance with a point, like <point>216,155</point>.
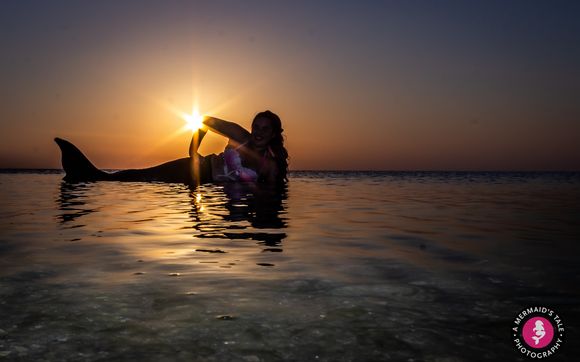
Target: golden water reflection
<point>388,265</point>
<point>173,227</point>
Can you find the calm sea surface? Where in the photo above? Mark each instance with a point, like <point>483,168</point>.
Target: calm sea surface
<point>339,267</point>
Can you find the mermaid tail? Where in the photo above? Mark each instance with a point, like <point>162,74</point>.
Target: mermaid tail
<point>78,168</point>
<point>76,165</point>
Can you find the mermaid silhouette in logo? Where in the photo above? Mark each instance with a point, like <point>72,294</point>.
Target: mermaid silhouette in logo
<point>539,331</point>
<point>256,156</point>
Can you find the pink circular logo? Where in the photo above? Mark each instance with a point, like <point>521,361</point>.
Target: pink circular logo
<point>538,332</point>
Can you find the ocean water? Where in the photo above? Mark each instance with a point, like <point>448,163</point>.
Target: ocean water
<point>339,266</point>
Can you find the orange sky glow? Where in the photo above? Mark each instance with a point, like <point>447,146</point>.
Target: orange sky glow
<point>358,87</point>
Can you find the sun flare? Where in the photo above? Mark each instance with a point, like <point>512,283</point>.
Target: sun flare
<point>193,121</point>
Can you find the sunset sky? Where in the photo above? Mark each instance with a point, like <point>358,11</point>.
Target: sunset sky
<point>369,85</point>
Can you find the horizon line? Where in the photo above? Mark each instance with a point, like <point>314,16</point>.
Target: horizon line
<point>29,169</point>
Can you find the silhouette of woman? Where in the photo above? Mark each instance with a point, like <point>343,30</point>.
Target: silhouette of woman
<point>256,156</point>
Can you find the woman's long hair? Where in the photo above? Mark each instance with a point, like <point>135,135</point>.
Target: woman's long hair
<point>277,144</point>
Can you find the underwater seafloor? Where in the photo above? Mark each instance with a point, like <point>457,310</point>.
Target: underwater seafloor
<point>339,266</point>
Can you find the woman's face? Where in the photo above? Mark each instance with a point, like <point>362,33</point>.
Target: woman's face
<point>262,132</point>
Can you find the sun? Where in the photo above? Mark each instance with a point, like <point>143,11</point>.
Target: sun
<point>193,121</point>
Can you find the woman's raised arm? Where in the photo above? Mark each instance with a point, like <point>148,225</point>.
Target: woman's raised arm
<point>196,139</point>
<point>227,129</point>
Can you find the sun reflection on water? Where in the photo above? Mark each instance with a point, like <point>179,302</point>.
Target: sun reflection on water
<point>344,258</point>
<point>193,229</point>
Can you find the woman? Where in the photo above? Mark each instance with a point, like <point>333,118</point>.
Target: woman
<point>256,156</point>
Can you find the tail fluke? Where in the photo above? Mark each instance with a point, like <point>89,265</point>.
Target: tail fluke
<point>76,165</point>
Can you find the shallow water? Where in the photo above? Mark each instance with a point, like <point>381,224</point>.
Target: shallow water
<point>339,267</point>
